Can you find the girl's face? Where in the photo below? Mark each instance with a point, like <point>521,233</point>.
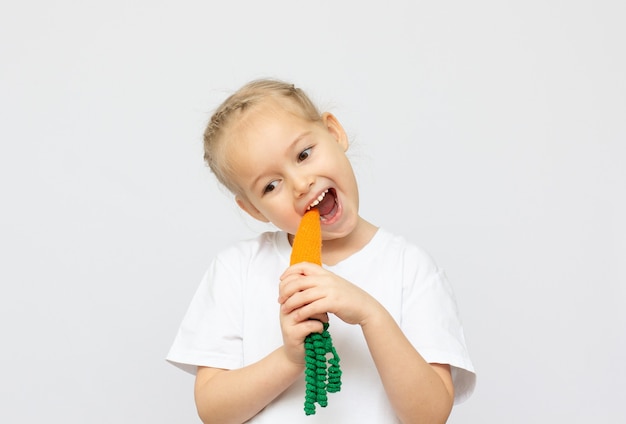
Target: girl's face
<point>285,164</point>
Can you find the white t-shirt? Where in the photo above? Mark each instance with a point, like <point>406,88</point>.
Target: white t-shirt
<point>233,321</point>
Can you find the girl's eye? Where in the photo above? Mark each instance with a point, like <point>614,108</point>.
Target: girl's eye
<point>270,187</point>
<point>304,154</point>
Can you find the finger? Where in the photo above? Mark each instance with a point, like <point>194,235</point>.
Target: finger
<point>323,317</point>
<point>297,330</point>
<point>301,298</point>
<point>294,284</point>
<point>315,311</point>
<point>300,329</point>
<point>311,326</point>
<point>301,268</point>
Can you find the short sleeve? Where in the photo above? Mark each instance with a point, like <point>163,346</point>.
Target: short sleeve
<point>210,333</point>
<point>430,319</point>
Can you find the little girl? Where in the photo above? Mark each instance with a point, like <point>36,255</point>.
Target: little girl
<point>392,313</point>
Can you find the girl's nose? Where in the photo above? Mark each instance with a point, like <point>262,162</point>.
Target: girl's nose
<point>303,184</point>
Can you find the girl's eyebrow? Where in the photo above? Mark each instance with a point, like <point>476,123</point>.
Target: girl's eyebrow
<point>289,149</point>
<point>298,138</point>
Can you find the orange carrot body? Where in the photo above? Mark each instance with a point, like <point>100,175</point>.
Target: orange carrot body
<point>307,244</point>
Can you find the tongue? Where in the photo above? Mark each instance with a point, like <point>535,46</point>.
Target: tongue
<point>327,204</point>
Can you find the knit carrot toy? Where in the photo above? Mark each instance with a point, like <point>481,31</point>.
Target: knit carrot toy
<point>320,379</point>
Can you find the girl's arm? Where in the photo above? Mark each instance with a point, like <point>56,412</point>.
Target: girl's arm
<point>418,391</point>
<point>235,396</point>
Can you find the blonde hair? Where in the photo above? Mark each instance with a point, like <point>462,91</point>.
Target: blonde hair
<point>235,105</point>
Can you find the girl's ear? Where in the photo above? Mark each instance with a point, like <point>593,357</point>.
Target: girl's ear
<point>250,209</point>
<point>334,127</point>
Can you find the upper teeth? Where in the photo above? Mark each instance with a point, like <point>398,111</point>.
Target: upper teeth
<point>318,200</point>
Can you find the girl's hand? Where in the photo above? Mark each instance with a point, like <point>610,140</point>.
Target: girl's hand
<point>295,331</point>
<point>307,291</point>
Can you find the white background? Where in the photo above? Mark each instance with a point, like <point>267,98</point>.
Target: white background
<point>490,133</point>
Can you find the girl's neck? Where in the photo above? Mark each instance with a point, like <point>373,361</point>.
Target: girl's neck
<point>335,251</point>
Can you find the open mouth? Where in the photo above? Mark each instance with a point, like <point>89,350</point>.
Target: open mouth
<point>326,204</point>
